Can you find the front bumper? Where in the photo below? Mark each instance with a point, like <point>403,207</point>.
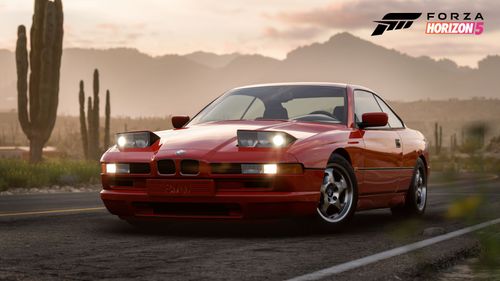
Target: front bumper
<point>230,198</point>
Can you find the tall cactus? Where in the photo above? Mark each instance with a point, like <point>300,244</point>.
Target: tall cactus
<point>90,131</point>
<point>438,138</point>
<point>90,148</point>
<point>95,118</point>
<point>107,121</point>
<point>83,125</point>
<point>44,63</point>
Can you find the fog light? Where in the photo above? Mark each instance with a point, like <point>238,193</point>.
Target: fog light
<point>270,168</point>
<point>114,168</point>
<point>259,168</point>
<point>110,168</point>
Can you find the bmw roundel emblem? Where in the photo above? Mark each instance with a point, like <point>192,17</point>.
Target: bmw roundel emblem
<point>180,152</point>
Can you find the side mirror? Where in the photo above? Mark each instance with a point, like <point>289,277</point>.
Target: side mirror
<point>179,121</point>
<point>374,119</point>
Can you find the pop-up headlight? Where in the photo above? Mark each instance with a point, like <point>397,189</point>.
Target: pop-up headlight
<point>247,138</point>
<point>136,139</point>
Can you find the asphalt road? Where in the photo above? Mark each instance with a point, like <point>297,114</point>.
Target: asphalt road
<point>89,243</point>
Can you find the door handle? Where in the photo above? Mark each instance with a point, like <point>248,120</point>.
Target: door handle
<point>398,143</point>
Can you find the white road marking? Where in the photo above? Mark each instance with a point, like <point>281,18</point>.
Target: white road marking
<point>51,212</point>
<point>320,274</point>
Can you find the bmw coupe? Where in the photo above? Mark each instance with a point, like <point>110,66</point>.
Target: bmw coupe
<point>269,151</point>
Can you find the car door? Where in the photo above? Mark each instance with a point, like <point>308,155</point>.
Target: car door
<point>382,153</point>
<point>408,153</point>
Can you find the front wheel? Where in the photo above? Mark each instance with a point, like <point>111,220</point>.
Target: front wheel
<point>338,192</point>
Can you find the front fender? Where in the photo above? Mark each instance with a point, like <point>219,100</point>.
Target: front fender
<point>314,152</point>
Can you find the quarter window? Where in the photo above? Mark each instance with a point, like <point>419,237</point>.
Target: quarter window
<point>394,120</point>
<point>364,102</point>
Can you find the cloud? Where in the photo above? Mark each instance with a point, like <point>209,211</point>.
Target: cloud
<point>361,13</point>
<point>122,33</point>
<point>293,33</point>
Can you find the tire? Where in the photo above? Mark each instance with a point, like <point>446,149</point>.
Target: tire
<point>416,196</point>
<point>338,193</point>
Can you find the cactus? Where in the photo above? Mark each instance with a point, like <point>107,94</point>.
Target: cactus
<point>83,125</point>
<point>90,132</point>
<point>438,138</point>
<point>95,119</point>
<point>453,143</point>
<point>107,121</point>
<point>42,94</point>
<point>90,148</point>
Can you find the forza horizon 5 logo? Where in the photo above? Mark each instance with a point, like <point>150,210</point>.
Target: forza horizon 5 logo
<point>437,23</point>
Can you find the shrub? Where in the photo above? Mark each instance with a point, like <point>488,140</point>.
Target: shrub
<point>20,173</point>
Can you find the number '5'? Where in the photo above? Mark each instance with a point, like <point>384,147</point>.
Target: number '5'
<point>479,28</point>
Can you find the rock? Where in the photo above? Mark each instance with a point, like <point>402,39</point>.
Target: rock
<point>433,231</point>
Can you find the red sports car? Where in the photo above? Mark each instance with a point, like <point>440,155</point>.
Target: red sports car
<point>268,151</point>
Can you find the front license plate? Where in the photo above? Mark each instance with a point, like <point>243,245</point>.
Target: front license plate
<point>163,187</point>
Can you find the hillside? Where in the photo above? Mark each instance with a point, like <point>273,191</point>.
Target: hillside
<point>142,85</point>
<point>453,115</point>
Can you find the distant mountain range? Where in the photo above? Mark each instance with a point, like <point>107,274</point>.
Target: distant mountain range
<point>142,85</point>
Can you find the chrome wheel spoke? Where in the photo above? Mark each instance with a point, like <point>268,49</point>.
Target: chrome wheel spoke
<point>341,185</point>
<point>337,204</point>
<point>324,205</point>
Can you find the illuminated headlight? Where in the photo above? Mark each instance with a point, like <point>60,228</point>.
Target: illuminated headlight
<point>259,168</point>
<point>117,168</point>
<point>248,138</point>
<point>136,139</point>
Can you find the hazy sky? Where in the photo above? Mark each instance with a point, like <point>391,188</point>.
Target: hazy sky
<point>268,27</point>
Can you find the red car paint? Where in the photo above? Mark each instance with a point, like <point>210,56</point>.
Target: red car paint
<point>383,170</point>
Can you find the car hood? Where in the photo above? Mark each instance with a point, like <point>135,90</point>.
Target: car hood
<point>221,135</point>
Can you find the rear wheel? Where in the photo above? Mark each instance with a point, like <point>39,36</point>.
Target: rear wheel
<point>338,192</point>
<point>416,197</point>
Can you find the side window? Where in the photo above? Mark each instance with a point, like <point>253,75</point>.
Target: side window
<point>364,102</point>
<point>394,121</point>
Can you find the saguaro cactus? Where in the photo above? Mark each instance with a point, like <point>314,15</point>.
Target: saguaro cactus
<point>83,125</point>
<point>107,121</point>
<point>38,120</point>
<point>95,118</point>
<point>90,131</point>
<point>438,137</point>
<point>90,148</point>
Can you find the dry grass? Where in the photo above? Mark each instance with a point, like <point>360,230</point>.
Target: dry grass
<point>19,173</point>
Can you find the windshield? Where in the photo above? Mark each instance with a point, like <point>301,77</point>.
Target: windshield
<point>288,102</point>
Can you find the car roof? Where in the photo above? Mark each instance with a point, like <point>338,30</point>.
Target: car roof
<point>340,85</point>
